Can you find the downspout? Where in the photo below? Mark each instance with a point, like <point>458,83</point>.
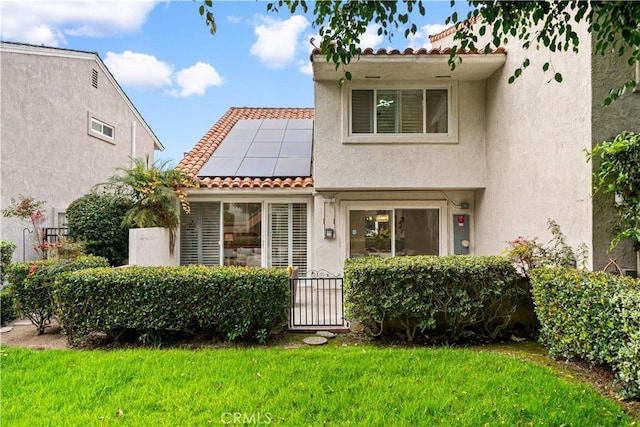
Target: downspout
<point>133,142</point>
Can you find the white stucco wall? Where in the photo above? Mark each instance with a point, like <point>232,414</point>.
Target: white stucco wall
<point>338,164</point>
<point>45,149</point>
<point>151,247</point>
<point>536,134</point>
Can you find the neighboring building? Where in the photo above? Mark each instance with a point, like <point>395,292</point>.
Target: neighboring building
<point>66,125</point>
<point>410,157</point>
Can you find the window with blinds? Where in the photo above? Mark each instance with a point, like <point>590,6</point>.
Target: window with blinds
<point>200,234</point>
<point>390,111</point>
<point>287,243</point>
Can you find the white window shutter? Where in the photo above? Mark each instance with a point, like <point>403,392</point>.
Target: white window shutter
<point>288,235</point>
<point>200,235</point>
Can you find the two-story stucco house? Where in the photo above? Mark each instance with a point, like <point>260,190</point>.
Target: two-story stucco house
<point>66,125</point>
<point>410,157</point>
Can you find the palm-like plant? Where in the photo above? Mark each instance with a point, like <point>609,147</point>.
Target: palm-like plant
<point>157,191</point>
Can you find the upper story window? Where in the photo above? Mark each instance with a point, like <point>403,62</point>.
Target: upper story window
<point>399,111</point>
<point>389,115</point>
<point>101,130</point>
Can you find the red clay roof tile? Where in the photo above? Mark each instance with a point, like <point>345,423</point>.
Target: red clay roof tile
<point>421,51</point>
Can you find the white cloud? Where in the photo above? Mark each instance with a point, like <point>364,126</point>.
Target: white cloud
<point>278,41</point>
<point>139,70</point>
<point>421,37</point>
<point>370,38</point>
<point>305,67</point>
<point>146,72</point>
<point>234,19</point>
<point>48,22</point>
<point>196,79</point>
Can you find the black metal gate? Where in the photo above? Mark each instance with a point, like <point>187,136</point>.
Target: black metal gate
<point>317,301</point>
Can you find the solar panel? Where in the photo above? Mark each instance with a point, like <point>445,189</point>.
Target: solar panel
<point>295,150</point>
<point>221,166</point>
<point>300,124</point>
<point>293,167</point>
<point>269,135</point>
<point>232,149</point>
<point>263,148</point>
<point>257,167</point>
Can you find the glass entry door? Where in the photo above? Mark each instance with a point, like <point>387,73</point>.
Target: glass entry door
<point>242,233</point>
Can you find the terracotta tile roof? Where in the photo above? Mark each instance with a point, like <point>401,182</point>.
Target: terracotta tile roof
<point>196,158</point>
<point>421,51</point>
<point>454,29</point>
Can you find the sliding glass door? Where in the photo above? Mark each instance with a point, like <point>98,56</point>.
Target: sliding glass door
<point>387,232</point>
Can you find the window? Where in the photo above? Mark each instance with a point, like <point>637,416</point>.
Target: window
<point>399,232</point>
<point>200,235</point>
<point>101,130</point>
<point>242,240</point>
<point>390,111</point>
<point>288,235</point>
<point>228,233</point>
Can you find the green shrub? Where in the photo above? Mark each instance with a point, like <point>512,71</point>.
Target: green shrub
<point>6,253</point>
<point>229,303</point>
<point>7,306</point>
<point>591,315</point>
<point>96,220</point>
<point>463,294</point>
<point>31,284</point>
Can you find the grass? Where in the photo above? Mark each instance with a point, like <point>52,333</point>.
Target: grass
<point>349,385</point>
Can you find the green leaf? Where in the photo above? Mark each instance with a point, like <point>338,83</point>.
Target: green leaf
<point>558,77</point>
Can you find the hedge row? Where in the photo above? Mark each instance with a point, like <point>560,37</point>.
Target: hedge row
<point>594,316</point>
<point>31,284</point>
<point>228,303</point>
<point>8,310</point>
<point>460,294</point>
<point>6,253</point>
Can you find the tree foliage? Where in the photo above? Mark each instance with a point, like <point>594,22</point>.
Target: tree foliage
<point>617,171</point>
<point>536,24</point>
<point>95,219</point>
<point>157,193</point>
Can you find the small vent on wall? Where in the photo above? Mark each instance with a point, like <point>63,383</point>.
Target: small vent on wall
<point>94,78</point>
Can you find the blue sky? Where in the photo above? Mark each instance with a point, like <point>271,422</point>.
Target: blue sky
<point>180,77</point>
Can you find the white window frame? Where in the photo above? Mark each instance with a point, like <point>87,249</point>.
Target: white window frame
<point>450,137</point>
<point>264,233</point>
<point>100,134</point>
<point>392,206</point>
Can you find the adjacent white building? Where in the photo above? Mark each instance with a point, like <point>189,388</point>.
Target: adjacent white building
<point>65,126</point>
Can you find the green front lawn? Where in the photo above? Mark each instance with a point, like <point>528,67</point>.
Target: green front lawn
<point>349,385</point>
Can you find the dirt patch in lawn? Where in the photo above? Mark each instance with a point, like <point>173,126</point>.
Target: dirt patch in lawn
<point>24,334</point>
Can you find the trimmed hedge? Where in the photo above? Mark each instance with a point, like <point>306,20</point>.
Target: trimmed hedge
<point>229,303</point>
<point>96,220</point>
<point>8,310</point>
<point>6,253</point>
<point>462,295</point>
<point>31,284</point>
<point>594,316</point>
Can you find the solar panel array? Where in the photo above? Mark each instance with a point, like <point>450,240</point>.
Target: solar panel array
<point>263,148</point>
